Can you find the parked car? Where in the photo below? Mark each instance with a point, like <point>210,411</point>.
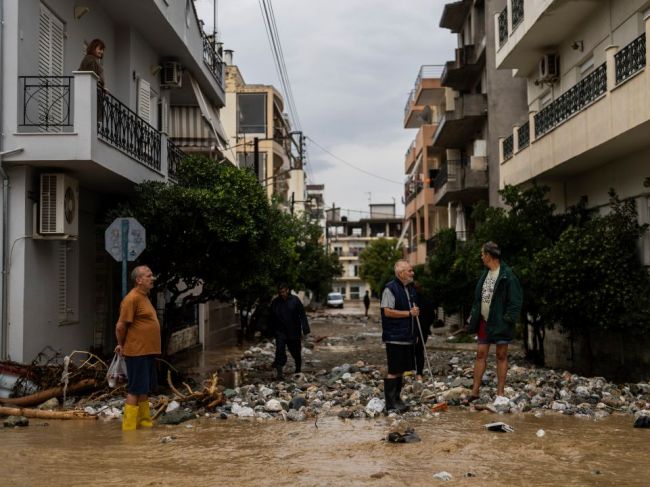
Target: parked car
<point>335,300</point>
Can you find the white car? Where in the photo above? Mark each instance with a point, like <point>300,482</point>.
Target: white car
<point>335,300</point>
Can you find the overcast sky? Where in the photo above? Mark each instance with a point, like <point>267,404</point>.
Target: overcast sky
<point>351,64</point>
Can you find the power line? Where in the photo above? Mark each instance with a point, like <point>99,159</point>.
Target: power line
<point>352,165</point>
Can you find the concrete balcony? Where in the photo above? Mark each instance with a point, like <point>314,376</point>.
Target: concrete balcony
<point>427,92</point>
<point>457,180</point>
<point>66,123</point>
<point>525,29</point>
<point>454,15</point>
<point>468,64</point>
<point>174,29</point>
<point>463,118</point>
<point>419,148</point>
<point>604,116</point>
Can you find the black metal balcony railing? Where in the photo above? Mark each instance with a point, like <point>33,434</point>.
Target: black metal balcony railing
<point>174,157</point>
<point>411,190</point>
<point>572,101</point>
<point>441,178</point>
<point>517,12</point>
<point>523,136</point>
<point>46,102</point>
<point>630,59</point>
<point>125,130</point>
<point>212,60</point>
<point>508,147</point>
<point>503,26</point>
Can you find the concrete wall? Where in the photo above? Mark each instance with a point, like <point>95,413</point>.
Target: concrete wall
<point>616,357</point>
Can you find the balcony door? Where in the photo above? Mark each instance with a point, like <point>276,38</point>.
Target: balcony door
<point>51,93</point>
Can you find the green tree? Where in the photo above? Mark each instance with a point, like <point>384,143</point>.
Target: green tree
<point>377,261</point>
<point>592,276</point>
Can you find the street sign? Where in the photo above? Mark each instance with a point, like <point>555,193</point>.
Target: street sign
<point>136,238</point>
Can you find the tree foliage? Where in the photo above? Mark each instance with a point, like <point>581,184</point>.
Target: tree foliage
<point>213,235</point>
<point>376,263</point>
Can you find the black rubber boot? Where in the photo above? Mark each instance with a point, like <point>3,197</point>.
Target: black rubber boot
<point>399,404</point>
<point>279,375</point>
<point>390,386</point>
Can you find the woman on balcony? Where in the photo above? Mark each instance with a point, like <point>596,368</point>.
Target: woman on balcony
<point>92,60</point>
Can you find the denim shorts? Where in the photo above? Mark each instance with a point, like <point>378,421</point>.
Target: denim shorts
<point>142,376</point>
<point>483,336</point>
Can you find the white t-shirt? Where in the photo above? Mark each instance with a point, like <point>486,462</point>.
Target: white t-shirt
<point>488,291</point>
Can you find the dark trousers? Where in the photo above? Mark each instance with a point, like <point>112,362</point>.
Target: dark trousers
<point>294,346</point>
<point>419,355</point>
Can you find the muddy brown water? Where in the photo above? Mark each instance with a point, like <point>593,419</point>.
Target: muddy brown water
<point>335,452</point>
<point>331,452</point>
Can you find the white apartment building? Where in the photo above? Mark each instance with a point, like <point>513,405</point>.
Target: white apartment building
<point>70,149</point>
<point>589,99</point>
<point>348,239</point>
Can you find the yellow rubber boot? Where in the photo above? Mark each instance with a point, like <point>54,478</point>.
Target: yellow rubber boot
<point>129,417</point>
<point>144,415</point>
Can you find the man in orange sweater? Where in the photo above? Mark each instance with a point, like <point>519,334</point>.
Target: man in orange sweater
<point>138,340</point>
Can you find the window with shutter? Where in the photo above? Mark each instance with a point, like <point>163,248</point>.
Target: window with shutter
<point>51,100</point>
<point>144,99</point>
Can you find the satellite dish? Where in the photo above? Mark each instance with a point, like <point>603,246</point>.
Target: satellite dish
<point>426,114</point>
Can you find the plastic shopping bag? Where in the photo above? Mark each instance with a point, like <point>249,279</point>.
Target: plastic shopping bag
<point>116,371</point>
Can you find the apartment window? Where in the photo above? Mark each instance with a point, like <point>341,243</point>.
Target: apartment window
<point>338,250</point>
<point>356,232</point>
<point>252,113</point>
<point>354,292</point>
<point>355,270</point>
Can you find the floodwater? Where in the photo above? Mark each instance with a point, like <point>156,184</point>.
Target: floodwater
<point>332,452</point>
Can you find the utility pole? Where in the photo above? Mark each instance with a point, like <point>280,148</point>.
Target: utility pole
<point>256,157</point>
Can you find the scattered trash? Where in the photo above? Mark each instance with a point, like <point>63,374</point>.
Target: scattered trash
<point>441,406</point>
<point>540,433</point>
<point>167,439</point>
<point>500,427</point>
<point>444,476</point>
<point>375,406</point>
<point>402,432</point>
<point>13,421</point>
<point>470,474</point>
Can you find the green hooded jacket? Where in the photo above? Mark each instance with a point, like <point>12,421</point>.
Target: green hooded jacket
<point>504,308</point>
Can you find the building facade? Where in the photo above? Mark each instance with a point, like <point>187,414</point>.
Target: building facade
<point>349,238</point>
<point>422,162</point>
<point>70,149</point>
<point>261,138</point>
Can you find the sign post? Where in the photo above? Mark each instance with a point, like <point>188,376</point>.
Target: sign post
<point>125,239</point>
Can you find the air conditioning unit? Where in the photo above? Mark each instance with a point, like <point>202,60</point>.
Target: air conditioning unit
<point>59,206</point>
<point>549,68</point>
<point>171,75</point>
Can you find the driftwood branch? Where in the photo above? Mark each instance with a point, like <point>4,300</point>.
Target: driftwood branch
<point>37,413</point>
<point>42,396</point>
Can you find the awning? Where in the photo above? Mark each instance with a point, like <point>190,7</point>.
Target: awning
<point>188,128</point>
<point>209,113</point>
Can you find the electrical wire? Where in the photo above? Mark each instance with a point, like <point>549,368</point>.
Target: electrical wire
<point>352,165</point>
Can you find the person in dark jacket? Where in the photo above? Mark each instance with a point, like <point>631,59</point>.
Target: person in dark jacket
<point>497,304</point>
<point>398,311</point>
<point>289,323</point>
<point>92,60</point>
<point>366,302</point>
<point>427,315</point>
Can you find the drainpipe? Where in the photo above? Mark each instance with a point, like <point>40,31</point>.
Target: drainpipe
<point>5,204</point>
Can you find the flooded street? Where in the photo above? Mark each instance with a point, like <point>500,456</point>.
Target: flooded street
<point>330,451</point>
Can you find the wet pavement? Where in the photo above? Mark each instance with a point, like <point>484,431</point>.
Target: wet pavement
<point>330,451</point>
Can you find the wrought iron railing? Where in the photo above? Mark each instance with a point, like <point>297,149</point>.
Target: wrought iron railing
<point>630,59</point>
<point>212,60</point>
<point>572,101</point>
<point>517,12</point>
<point>174,157</point>
<point>523,136</point>
<point>46,102</point>
<point>122,128</point>
<point>441,178</point>
<point>508,147</point>
<point>411,190</point>
<point>503,26</point>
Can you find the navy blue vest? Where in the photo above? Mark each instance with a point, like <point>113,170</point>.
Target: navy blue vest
<point>398,329</point>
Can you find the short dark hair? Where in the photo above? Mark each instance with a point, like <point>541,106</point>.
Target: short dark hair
<point>283,285</point>
<point>94,44</point>
<point>492,249</point>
